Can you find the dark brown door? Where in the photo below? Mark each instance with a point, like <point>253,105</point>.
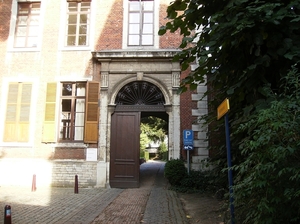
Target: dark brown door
<point>125,150</point>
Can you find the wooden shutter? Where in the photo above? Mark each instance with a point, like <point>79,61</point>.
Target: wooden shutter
<point>17,120</point>
<point>24,117</point>
<point>92,113</point>
<point>49,121</point>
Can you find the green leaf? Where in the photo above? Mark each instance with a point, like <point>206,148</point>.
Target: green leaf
<point>162,30</point>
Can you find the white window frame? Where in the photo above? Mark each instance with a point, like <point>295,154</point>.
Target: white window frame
<point>63,24</point>
<point>125,28</point>
<point>13,21</point>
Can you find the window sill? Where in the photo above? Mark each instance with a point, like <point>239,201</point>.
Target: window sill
<point>76,48</point>
<point>24,50</point>
<point>16,144</point>
<point>71,144</point>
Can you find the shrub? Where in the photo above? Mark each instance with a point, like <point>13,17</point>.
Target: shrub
<point>268,180</point>
<point>175,171</point>
<point>199,181</point>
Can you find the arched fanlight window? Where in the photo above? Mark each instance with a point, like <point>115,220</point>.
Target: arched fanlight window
<point>140,93</point>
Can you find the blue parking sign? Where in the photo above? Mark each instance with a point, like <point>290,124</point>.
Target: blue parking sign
<point>188,137</point>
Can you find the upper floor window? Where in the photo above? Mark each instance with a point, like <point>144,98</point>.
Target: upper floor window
<point>141,23</point>
<point>27,26</point>
<point>78,23</point>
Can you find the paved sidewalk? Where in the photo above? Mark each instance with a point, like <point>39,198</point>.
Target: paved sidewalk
<point>151,203</point>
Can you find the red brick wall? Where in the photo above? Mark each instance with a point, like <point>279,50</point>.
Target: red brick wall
<point>5,14</point>
<point>169,40</point>
<point>69,153</point>
<point>111,35</point>
<point>186,106</point>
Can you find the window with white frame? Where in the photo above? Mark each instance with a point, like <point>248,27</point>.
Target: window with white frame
<point>77,28</point>
<point>27,25</point>
<point>141,23</point>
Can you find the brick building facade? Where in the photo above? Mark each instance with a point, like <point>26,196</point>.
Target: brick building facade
<point>63,66</point>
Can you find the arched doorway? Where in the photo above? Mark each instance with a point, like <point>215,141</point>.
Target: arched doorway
<point>132,99</point>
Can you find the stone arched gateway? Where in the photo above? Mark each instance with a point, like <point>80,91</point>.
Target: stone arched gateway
<point>119,69</point>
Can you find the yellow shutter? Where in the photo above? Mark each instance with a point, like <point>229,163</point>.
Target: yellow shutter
<point>92,113</point>
<point>17,120</point>
<point>49,121</point>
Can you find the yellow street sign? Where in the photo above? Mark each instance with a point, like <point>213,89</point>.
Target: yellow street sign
<point>223,108</point>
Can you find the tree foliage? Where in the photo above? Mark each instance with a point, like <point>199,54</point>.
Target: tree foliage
<point>243,47</point>
<point>154,128</point>
<point>268,179</point>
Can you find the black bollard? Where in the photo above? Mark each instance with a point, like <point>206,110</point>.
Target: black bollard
<point>7,214</point>
<point>33,188</point>
<point>76,185</point>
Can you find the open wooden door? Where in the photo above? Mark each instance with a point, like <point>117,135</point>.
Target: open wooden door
<point>125,150</point>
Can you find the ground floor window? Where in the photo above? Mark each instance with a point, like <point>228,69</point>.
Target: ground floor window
<point>17,115</point>
<point>71,127</point>
<point>77,120</point>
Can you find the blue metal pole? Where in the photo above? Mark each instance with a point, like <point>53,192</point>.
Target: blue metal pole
<point>230,179</point>
<point>188,161</point>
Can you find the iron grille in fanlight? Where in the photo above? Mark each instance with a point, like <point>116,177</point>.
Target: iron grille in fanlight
<point>140,93</point>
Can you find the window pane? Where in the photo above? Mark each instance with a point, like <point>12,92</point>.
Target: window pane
<point>85,4</point>
<point>71,41</point>
<point>134,6</point>
<point>23,8</point>
<point>33,31</point>
<point>148,29</point>
<point>31,42</point>
<point>79,133</point>
<point>34,20</point>
<point>79,119</point>
<point>65,129</point>
<point>148,5</point>
<point>21,31</point>
<point>72,19</point>
<point>22,20</point>
<point>72,30</point>
<point>67,89</point>
<point>82,29</point>
<point>148,17</point>
<point>83,19</point>
<point>80,105</point>
<point>85,7</point>
<point>147,39</point>
<point>134,28</point>
<point>134,40</point>
<point>72,6</point>
<point>80,89</point>
<point>66,105</point>
<point>20,41</point>
<point>134,18</point>
<point>35,8</point>
<point>82,41</point>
